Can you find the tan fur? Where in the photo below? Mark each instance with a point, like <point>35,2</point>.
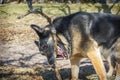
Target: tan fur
<point>76,53</point>
<point>96,59</point>
<point>74,67</point>
<point>76,40</point>
<point>92,52</point>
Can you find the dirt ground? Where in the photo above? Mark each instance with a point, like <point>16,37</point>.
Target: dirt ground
<point>20,58</point>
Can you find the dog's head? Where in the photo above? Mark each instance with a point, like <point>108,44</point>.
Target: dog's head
<point>45,43</point>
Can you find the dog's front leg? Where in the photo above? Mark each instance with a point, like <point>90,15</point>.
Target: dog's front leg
<point>96,59</point>
<point>74,67</point>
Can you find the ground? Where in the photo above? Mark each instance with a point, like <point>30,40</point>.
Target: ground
<point>20,58</point>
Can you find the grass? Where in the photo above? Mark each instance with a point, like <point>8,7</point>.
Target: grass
<point>9,13</point>
<point>53,9</point>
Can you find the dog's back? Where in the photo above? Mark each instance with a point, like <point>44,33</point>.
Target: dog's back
<point>85,32</point>
<point>103,27</point>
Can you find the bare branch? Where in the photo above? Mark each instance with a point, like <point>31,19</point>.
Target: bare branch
<point>38,11</point>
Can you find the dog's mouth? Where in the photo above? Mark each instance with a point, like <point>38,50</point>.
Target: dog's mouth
<point>61,52</point>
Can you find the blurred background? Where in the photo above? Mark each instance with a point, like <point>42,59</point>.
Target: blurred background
<point>20,58</point>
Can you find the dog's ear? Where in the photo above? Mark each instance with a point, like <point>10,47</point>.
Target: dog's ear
<point>41,32</point>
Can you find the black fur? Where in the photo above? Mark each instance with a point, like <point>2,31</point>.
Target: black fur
<point>104,28</point>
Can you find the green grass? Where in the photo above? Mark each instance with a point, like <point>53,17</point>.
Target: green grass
<point>53,9</point>
<point>10,12</point>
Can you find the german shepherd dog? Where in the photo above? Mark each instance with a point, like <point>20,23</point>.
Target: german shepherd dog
<point>80,35</point>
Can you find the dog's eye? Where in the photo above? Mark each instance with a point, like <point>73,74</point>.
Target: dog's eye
<point>43,46</point>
